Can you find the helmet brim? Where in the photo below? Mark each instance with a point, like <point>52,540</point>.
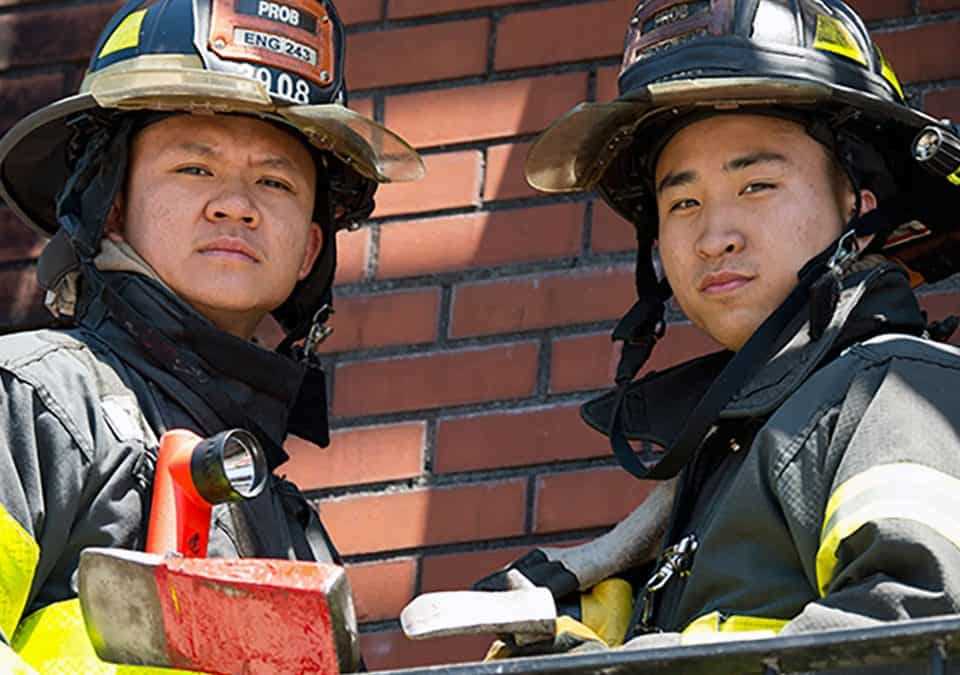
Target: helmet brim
<point>33,154</point>
<point>573,154</point>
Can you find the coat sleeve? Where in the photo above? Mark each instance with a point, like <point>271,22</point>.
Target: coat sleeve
<point>41,471</point>
<point>887,539</point>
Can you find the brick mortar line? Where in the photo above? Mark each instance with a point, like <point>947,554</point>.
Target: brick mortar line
<point>544,361</point>
<point>19,264</point>
<point>520,7</point>
<point>491,206</point>
<point>891,24</point>
<point>531,72</point>
<point>530,513</point>
<point>468,409</point>
<point>481,545</point>
<point>515,271</point>
<point>474,477</point>
<point>44,5</point>
<point>473,343</point>
<point>483,144</point>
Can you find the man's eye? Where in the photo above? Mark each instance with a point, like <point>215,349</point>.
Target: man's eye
<point>277,184</point>
<point>758,187</point>
<point>683,205</point>
<point>194,171</point>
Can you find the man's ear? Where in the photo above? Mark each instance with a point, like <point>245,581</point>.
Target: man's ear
<point>311,251</point>
<point>113,226</point>
<point>868,202</point>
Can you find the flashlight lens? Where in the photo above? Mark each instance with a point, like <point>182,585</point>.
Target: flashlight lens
<point>244,464</point>
<point>927,145</point>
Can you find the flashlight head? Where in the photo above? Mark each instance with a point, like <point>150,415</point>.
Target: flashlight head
<point>927,144</point>
<point>228,467</point>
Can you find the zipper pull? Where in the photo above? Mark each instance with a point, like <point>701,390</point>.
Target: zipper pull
<point>676,560</point>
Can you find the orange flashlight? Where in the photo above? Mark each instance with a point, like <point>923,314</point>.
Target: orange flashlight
<point>192,475</point>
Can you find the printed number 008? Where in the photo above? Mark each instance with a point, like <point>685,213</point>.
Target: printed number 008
<point>287,86</point>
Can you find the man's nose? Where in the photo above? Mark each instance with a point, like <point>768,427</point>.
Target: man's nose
<point>721,234</point>
<point>233,204</point>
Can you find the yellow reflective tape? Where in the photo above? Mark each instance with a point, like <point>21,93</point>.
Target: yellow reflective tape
<point>19,554</point>
<point>606,609</point>
<point>955,177</point>
<point>902,490</point>
<point>833,36</point>
<point>887,71</point>
<point>12,664</point>
<point>54,641</point>
<point>716,626</point>
<point>126,35</point>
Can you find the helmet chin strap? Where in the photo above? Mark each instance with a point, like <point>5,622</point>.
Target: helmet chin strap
<point>818,284</point>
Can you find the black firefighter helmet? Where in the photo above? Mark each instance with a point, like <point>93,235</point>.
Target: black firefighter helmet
<point>808,60</point>
<point>281,61</point>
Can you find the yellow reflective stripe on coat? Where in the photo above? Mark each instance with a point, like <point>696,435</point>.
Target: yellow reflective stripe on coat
<point>904,490</point>
<point>715,627</point>
<point>54,641</point>
<point>12,664</point>
<point>19,555</point>
<point>606,609</point>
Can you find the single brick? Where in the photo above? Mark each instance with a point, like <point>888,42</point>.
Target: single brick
<point>873,10</point>
<point>360,11</point>
<point>582,499</point>
<point>20,96</point>
<point>943,103</point>
<point>918,53</point>
<point>487,308</point>
<point>404,9</point>
<point>607,83</point>
<point>436,51</point>
<point>382,589</point>
<point>17,240</point>
<point>574,33</point>
<point>400,520</point>
<point>515,438</point>
<point>939,5</point>
<point>391,649</point>
<point>357,456</point>
<point>436,380</point>
<point>941,305</point>
<point>452,180</point>
<point>505,178</point>
<point>33,37</point>
<point>362,106</point>
<point>352,250</point>
<point>458,571</point>
<point>610,232</point>
<point>21,305</point>
<point>370,321</point>
<point>498,110</point>
<point>589,362</point>
<point>453,243</point>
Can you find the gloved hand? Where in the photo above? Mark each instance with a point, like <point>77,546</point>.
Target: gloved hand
<point>635,540</point>
<point>598,619</point>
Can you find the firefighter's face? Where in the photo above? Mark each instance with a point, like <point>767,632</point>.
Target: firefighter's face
<point>221,208</point>
<point>744,201</point>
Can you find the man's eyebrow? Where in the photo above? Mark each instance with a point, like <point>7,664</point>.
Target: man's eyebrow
<point>753,158</point>
<point>676,179</point>
<point>195,148</point>
<point>276,162</point>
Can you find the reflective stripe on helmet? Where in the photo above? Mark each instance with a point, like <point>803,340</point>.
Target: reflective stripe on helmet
<point>903,490</point>
<point>54,640</point>
<point>19,554</point>
<point>708,627</point>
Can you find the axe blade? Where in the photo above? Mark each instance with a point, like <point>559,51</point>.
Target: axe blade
<point>216,615</point>
<point>531,612</point>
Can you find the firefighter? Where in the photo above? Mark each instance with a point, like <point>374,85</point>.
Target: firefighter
<point>773,171</point>
<point>193,186</point>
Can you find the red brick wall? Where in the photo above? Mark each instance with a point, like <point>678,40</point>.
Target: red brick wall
<point>473,314</point>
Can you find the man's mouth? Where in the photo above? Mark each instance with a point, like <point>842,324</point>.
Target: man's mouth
<point>719,283</point>
<point>231,248</point>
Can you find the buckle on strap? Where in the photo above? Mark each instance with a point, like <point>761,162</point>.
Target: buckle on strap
<point>674,561</point>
